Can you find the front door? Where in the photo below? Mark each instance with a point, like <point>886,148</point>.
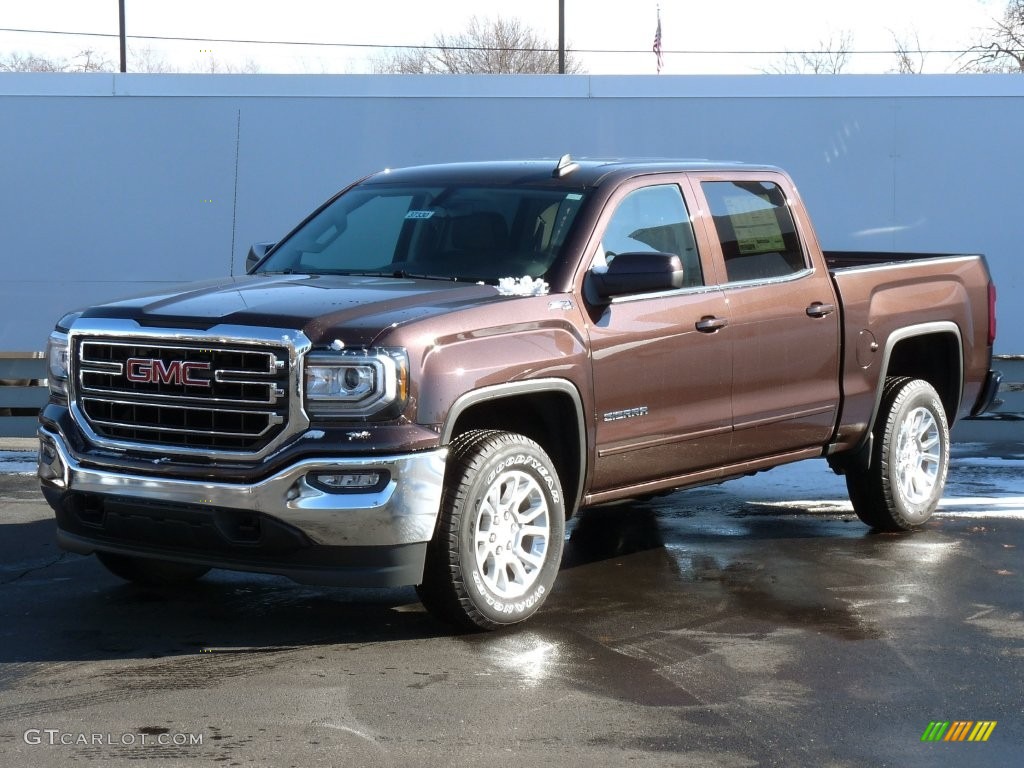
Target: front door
<point>662,366</point>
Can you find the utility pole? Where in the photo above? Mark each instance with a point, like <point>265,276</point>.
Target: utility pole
<point>124,56</point>
<point>561,36</point>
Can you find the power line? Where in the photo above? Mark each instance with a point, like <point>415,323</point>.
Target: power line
<point>681,52</point>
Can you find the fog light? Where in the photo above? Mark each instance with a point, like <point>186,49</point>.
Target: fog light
<point>50,466</point>
<point>349,481</point>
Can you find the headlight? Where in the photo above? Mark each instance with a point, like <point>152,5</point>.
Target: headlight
<point>355,383</point>
<point>57,363</point>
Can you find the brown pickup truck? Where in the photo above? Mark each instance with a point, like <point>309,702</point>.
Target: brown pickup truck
<point>426,377</point>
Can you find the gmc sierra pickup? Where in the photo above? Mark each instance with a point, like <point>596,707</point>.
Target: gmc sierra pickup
<point>427,376</point>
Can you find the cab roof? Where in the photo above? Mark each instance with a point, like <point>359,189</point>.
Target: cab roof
<point>566,172</point>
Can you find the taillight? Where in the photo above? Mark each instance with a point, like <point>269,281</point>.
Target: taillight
<point>991,313</point>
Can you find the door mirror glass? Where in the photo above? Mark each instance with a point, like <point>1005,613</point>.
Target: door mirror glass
<point>256,253</point>
<point>641,272</point>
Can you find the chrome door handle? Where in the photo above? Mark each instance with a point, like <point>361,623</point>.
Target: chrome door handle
<point>710,324</point>
<point>818,309</point>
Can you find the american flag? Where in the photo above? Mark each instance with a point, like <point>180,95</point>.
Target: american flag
<point>657,44</point>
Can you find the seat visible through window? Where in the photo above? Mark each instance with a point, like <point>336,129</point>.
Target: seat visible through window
<point>482,231</point>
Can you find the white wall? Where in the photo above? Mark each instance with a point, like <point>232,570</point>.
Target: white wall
<point>106,178</point>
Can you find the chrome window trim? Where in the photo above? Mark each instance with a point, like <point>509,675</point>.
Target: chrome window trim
<point>791,277</point>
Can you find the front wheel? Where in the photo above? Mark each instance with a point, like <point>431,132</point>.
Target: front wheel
<point>498,546</point>
<point>909,461</point>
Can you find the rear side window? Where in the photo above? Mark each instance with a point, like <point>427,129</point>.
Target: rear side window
<point>755,229</point>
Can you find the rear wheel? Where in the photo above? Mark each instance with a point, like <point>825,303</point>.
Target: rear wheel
<point>143,570</point>
<point>909,461</point>
<point>498,545</point>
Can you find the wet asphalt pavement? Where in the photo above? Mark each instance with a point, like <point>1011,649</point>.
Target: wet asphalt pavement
<point>728,626</point>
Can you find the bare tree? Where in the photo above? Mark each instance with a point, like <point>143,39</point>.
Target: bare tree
<point>30,62</point>
<point>88,60</point>
<point>488,46</point>
<point>141,60</point>
<point>909,57</point>
<point>91,60</point>
<point>830,58</point>
<point>147,60</point>
<point>213,65</point>
<point>1002,50</point>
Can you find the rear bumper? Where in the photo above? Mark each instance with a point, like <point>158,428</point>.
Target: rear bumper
<point>288,523</point>
<point>988,393</point>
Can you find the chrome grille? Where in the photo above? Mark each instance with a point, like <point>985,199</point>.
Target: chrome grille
<point>197,396</point>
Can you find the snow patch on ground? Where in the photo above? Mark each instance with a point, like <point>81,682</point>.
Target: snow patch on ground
<point>18,462</point>
<point>814,487</point>
<point>989,463</point>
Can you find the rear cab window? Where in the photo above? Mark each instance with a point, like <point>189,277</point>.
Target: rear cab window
<point>755,230</point>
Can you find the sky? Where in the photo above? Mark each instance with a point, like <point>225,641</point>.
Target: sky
<point>725,29</point>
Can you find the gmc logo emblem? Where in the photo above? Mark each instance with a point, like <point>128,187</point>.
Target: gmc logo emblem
<point>145,370</point>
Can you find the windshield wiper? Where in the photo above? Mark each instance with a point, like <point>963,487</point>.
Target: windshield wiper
<point>396,273</point>
<point>411,275</point>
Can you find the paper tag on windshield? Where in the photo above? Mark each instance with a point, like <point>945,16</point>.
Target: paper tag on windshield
<point>419,214</point>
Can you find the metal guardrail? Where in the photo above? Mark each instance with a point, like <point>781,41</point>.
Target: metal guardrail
<point>22,392</point>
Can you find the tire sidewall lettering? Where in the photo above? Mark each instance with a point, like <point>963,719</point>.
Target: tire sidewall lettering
<point>517,460</point>
<point>523,461</point>
<point>509,607</point>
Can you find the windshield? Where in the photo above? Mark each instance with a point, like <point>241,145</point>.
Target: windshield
<point>452,233</point>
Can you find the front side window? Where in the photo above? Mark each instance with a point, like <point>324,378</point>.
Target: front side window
<point>452,233</point>
<point>755,229</point>
<point>653,220</point>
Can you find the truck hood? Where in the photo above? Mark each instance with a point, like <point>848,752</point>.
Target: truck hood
<point>324,307</point>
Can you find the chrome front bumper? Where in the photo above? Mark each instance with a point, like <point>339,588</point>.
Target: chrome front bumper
<point>403,511</point>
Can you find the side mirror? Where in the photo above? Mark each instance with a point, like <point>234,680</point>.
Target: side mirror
<point>639,273</point>
<point>256,253</point>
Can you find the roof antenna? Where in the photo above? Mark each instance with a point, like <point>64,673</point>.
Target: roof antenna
<point>565,166</point>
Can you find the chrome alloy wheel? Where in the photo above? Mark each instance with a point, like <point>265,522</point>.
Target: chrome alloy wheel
<point>512,534</point>
<point>918,456</point>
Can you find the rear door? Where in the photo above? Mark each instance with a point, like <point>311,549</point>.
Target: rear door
<point>782,313</point>
<point>662,372</point>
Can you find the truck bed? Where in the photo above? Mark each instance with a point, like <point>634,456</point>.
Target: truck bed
<point>884,293</point>
<point>837,260</point>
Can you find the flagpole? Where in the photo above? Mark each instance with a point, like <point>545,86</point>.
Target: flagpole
<point>658,57</point>
<point>561,37</point>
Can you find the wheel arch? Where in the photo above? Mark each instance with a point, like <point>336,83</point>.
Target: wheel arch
<point>549,411</point>
<point>912,352</point>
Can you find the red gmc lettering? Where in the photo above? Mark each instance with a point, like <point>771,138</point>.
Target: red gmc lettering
<point>148,371</point>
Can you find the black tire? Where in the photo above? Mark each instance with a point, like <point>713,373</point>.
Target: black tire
<point>909,460</point>
<point>498,545</point>
<point>154,573</point>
